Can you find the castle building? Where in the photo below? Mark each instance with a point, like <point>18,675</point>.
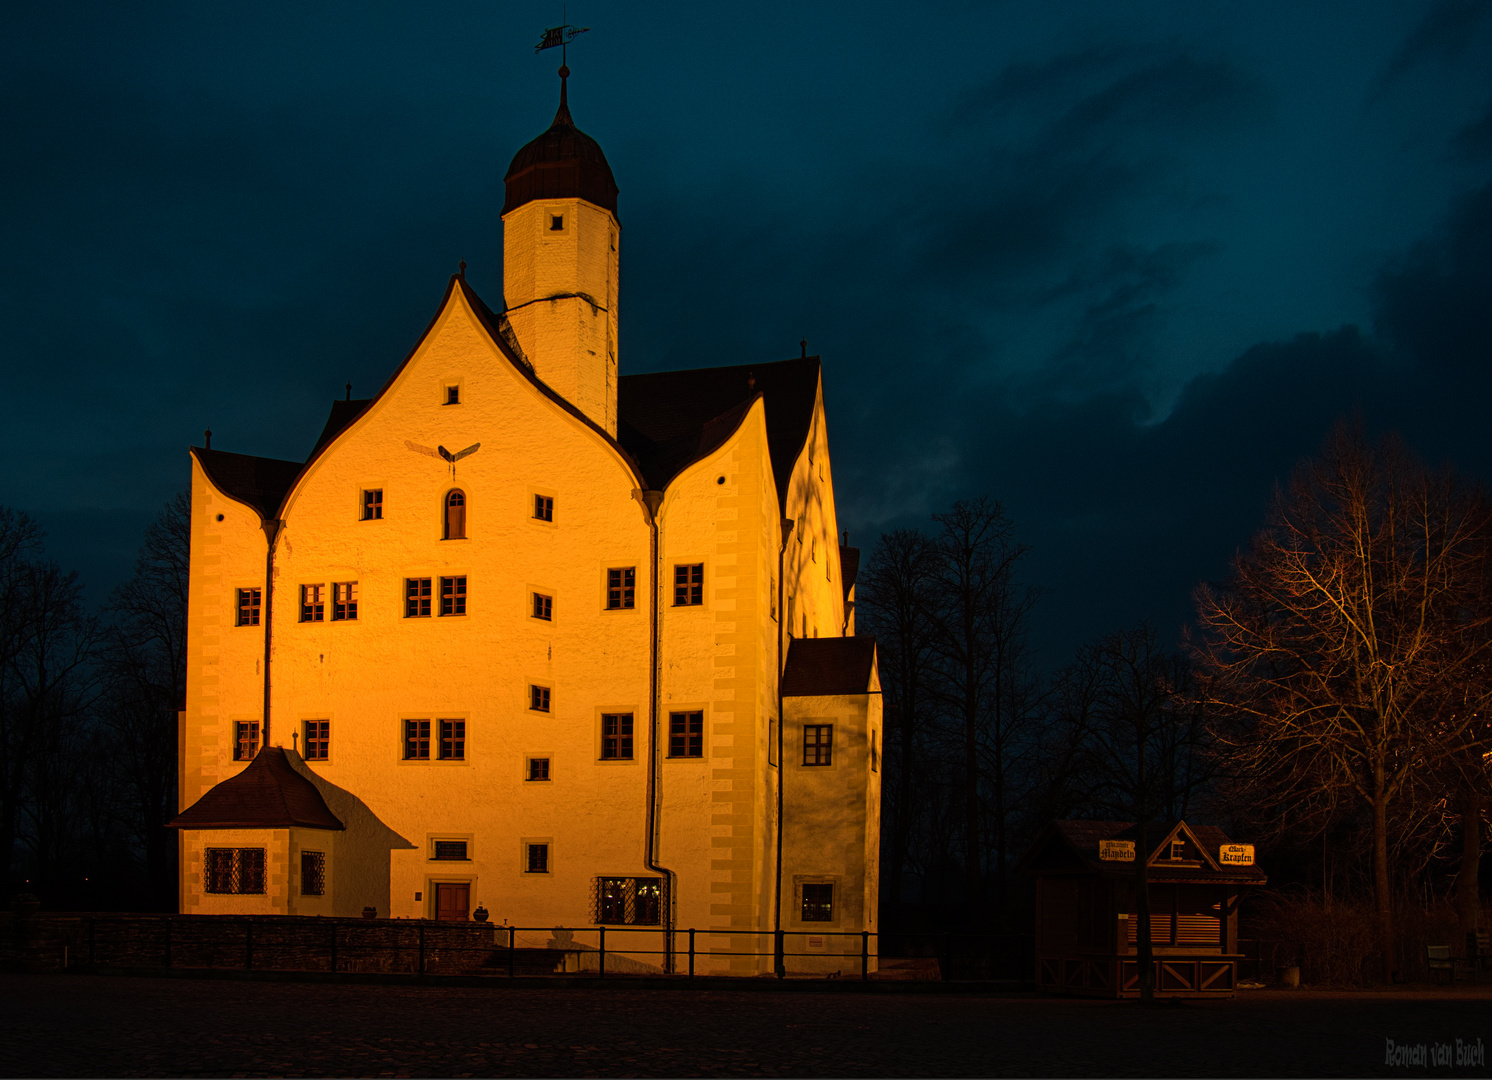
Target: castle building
<point>528,635</point>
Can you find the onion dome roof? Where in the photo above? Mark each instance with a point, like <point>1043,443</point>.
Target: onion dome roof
<point>562,163</point>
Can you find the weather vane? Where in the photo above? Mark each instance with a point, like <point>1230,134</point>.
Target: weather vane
<point>560,36</point>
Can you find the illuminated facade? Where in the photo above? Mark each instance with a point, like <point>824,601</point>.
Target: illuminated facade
<point>525,634</point>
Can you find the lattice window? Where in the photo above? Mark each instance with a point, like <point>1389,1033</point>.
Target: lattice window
<point>818,744</point>
<point>312,603</point>
<point>818,902</point>
<point>344,601</point>
<point>318,740</point>
<point>245,740</point>
<point>452,740</point>
<point>628,901</point>
<point>451,850</point>
<point>312,873</point>
<point>616,737</point>
<point>248,607</point>
<point>417,598</point>
<point>621,587</point>
<point>688,584</point>
<point>538,858</point>
<point>234,870</point>
<point>453,595</point>
<point>416,740</point>
<point>686,734</point>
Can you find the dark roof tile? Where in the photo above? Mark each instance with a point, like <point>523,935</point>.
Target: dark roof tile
<point>259,481</point>
<point>821,666</point>
<point>667,419</point>
<point>269,794</point>
<point>340,419</point>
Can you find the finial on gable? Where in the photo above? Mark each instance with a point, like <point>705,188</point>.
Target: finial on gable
<point>461,269</point>
<point>804,346</point>
<point>208,436</point>
<point>349,391</point>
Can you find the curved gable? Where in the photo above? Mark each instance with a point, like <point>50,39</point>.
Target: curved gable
<point>459,300</point>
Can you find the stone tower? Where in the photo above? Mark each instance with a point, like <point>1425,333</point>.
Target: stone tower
<point>560,239</point>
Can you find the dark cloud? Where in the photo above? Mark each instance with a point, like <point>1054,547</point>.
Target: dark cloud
<point>1445,33</point>
<point>1474,141</point>
<point>1435,302</point>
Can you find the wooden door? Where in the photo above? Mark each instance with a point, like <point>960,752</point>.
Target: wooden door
<point>452,903</point>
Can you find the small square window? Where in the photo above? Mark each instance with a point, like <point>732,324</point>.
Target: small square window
<point>538,858</point>
<point>818,903</point>
<point>312,873</point>
<point>688,584</point>
<point>451,851</point>
<point>453,740</point>
<point>344,601</point>
<point>543,607</point>
<point>538,768</point>
<point>372,504</point>
<point>543,508</point>
<point>318,739</point>
<point>416,740</point>
<point>875,751</point>
<point>818,744</point>
<point>245,740</point>
<point>621,588</point>
<point>312,603</point>
<point>453,395</point>
<point>556,222</point>
<point>686,734</point>
<point>616,737</point>
<point>453,595</point>
<point>538,698</point>
<point>417,598</point>
<point>248,607</point>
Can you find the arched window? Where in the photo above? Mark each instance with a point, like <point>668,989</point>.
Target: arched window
<point>455,515</point>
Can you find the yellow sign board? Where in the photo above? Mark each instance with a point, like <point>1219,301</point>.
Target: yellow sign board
<point>1236,855</point>
<point>1116,850</point>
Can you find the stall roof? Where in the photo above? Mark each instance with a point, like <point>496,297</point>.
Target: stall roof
<point>1073,847</point>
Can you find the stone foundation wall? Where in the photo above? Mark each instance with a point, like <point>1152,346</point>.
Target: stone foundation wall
<point>51,942</point>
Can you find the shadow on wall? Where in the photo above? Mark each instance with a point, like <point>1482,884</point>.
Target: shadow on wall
<point>361,873</point>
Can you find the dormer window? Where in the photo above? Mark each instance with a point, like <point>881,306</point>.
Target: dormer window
<point>1178,850</point>
<point>556,222</point>
<point>453,395</point>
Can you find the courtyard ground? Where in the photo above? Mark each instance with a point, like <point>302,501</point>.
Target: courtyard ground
<point>90,1025</point>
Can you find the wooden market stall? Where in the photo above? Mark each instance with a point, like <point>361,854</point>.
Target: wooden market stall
<point>1086,911</point>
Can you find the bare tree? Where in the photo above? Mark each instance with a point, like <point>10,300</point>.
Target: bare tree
<point>978,610</point>
<point>1332,642</point>
<point>145,662</point>
<point>893,601</point>
<point>46,686</point>
<point>1144,752</point>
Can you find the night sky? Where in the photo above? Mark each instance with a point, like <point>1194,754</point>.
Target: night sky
<point>1117,265</point>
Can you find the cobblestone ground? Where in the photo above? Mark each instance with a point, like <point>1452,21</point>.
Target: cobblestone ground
<point>80,1025</point>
